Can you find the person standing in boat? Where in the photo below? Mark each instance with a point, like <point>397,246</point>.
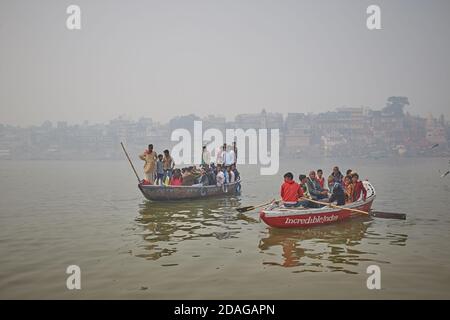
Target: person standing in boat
<point>229,157</point>
<point>206,156</point>
<point>168,165</point>
<point>149,156</point>
<point>220,154</point>
<point>159,170</point>
<point>220,177</point>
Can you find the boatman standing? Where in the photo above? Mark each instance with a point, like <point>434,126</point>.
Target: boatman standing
<point>206,156</point>
<point>149,156</point>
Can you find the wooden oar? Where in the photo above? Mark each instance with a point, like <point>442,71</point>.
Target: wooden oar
<point>335,206</point>
<point>377,214</point>
<point>250,208</point>
<point>388,215</point>
<point>131,163</point>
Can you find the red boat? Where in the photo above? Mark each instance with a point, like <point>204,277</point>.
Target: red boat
<point>277,216</point>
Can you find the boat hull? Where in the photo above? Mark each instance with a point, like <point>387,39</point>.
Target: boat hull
<point>277,217</point>
<point>170,193</point>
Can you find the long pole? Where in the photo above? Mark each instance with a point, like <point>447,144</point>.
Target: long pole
<point>335,206</point>
<point>131,163</point>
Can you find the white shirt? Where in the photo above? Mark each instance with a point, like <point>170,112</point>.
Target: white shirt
<point>220,178</point>
<point>229,158</point>
<point>219,156</point>
<point>206,157</point>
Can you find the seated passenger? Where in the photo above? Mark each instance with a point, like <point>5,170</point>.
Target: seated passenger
<point>348,189</point>
<point>188,178</point>
<point>320,178</point>
<point>337,175</point>
<point>337,194</point>
<point>330,182</point>
<point>211,176</point>
<point>314,189</point>
<point>290,191</point>
<point>303,179</point>
<point>359,191</point>
<point>176,179</point>
<point>203,179</point>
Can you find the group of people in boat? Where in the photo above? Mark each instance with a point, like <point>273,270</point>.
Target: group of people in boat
<point>337,188</point>
<point>159,169</point>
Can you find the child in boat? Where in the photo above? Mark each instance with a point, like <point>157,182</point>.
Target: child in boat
<point>290,191</point>
<point>159,170</point>
<point>358,188</point>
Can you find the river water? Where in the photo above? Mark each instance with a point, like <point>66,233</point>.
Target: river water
<point>90,213</point>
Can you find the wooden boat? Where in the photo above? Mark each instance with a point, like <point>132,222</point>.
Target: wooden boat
<point>165,193</point>
<point>275,215</point>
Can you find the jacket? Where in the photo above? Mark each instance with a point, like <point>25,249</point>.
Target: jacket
<point>358,189</point>
<point>291,191</point>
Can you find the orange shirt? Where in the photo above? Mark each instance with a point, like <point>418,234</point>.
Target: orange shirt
<point>291,191</point>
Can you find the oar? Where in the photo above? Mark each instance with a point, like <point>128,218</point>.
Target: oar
<point>377,214</point>
<point>335,206</point>
<point>131,163</point>
<point>250,208</point>
<point>388,215</point>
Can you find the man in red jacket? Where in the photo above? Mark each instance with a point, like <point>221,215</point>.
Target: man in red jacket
<point>358,188</point>
<point>290,191</point>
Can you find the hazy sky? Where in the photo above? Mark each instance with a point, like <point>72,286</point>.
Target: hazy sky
<point>164,58</point>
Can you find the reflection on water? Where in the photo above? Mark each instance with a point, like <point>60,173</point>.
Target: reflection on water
<point>326,248</point>
<point>337,247</point>
<point>165,225</point>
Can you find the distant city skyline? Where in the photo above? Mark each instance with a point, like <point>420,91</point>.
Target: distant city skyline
<point>229,117</point>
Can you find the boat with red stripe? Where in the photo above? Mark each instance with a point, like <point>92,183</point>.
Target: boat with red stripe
<point>277,216</point>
